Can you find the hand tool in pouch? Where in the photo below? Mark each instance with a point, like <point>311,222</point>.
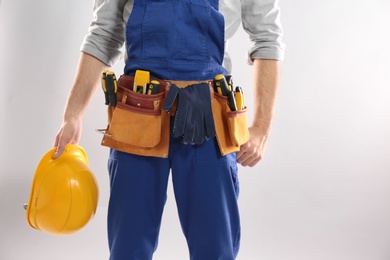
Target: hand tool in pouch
<point>232,101</point>
<point>221,85</point>
<point>239,94</point>
<point>141,79</point>
<point>110,87</point>
<point>223,88</point>
<point>153,87</point>
<point>229,80</point>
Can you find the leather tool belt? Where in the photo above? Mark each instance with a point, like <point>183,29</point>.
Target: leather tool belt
<point>139,125</point>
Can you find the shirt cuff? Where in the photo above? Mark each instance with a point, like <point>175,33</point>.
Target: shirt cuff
<point>266,52</point>
<point>108,56</point>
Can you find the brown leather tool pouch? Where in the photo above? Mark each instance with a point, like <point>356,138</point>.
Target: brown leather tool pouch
<point>137,124</point>
<point>231,126</point>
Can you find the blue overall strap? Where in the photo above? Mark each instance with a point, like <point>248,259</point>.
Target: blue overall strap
<point>176,39</point>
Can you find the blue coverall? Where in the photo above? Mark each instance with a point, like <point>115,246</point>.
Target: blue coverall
<point>178,40</point>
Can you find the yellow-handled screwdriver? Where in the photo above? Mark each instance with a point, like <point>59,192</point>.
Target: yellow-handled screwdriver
<point>239,98</point>
<point>221,85</point>
<point>110,87</point>
<point>229,80</point>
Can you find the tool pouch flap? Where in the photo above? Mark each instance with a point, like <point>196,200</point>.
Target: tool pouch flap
<point>231,126</point>
<point>238,126</point>
<point>135,126</point>
<point>136,119</point>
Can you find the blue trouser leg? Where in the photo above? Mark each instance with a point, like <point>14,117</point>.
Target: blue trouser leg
<point>138,194</point>
<point>206,191</point>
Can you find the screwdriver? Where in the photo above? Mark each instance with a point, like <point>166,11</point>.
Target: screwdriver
<point>229,80</point>
<point>221,85</point>
<point>232,101</point>
<point>239,98</point>
<point>110,87</point>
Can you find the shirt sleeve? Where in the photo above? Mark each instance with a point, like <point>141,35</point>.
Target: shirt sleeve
<point>106,34</point>
<point>261,20</point>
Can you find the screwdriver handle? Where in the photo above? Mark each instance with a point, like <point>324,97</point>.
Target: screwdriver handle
<point>221,85</point>
<point>232,101</point>
<point>239,98</point>
<point>110,87</point>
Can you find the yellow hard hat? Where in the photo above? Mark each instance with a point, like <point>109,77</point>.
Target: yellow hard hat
<point>64,193</point>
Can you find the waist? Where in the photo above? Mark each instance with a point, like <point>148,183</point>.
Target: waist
<point>175,70</point>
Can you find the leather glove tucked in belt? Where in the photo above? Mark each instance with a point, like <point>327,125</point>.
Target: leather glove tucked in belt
<point>194,118</point>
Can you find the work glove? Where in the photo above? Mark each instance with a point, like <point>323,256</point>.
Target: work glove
<point>194,118</point>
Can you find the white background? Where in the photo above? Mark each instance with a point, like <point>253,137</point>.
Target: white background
<point>321,192</point>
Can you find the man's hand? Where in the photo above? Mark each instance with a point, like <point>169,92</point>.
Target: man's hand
<point>266,76</point>
<point>69,133</point>
<point>253,150</point>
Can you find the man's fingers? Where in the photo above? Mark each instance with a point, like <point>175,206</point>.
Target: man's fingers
<point>59,151</point>
<point>68,134</point>
<point>248,160</point>
<point>61,142</point>
<point>243,159</point>
<point>248,156</point>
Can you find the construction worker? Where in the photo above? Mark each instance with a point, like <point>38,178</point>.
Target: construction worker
<point>178,40</point>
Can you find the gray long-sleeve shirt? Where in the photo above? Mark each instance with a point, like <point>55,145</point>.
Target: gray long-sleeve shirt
<point>260,19</point>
